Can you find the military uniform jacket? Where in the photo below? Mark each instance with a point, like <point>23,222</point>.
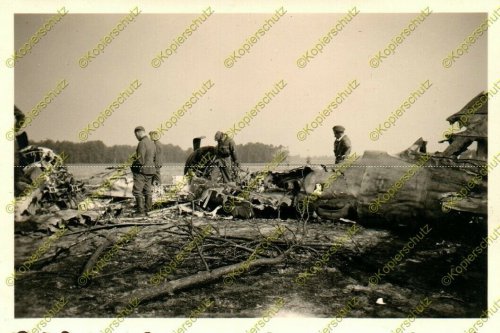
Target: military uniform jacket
<point>341,148</point>
<point>158,161</point>
<point>225,148</point>
<point>146,156</point>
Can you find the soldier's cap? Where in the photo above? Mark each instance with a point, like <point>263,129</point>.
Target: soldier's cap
<point>338,128</point>
<point>139,128</point>
<point>155,135</point>
<point>218,136</point>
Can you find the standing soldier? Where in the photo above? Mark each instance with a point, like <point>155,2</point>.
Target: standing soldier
<point>21,136</point>
<point>226,155</point>
<point>342,144</point>
<point>20,143</point>
<point>143,170</point>
<point>155,137</point>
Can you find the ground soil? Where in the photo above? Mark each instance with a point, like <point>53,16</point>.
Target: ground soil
<point>344,275</point>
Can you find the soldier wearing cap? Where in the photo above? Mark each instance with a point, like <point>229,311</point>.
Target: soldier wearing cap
<point>143,170</point>
<point>342,144</point>
<point>155,137</point>
<point>226,154</point>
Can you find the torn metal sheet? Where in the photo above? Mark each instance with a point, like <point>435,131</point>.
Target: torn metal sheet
<point>45,185</point>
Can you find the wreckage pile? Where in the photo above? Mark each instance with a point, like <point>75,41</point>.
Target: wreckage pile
<point>400,189</point>
<point>190,225</point>
<point>49,196</point>
<point>44,188</point>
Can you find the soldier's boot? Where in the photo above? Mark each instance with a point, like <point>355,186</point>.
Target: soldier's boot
<point>140,212</point>
<point>148,203</point>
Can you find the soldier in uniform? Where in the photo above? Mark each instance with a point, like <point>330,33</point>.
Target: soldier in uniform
<point>342,144</point>
<point>21,136</point>
<point>155,137</point>
<point>226,154</point>
<point>143,170</point>
<point>20,143</point>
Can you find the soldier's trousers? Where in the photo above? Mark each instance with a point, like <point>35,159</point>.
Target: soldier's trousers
<point>142,185</point>
<point>225,167</point>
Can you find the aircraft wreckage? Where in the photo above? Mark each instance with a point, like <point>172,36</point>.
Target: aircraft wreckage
<point>373,189</point>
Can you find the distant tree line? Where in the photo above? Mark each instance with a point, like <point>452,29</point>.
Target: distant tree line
<point>98,152</point>
<point>257,152</point>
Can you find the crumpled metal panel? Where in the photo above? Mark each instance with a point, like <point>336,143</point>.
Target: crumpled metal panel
<point>121,188</point>
<point>52,187</point>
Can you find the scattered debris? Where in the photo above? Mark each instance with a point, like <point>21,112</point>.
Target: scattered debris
<point>45,185</point>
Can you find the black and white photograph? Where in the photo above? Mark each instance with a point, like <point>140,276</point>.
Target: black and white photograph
<point>266,167</point>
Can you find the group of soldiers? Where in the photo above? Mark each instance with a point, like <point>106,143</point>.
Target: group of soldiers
<point>146,167</point>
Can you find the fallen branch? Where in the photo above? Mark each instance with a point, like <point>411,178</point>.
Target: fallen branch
<point>110,226</point>
<point>192,280</point>
<point>190,229</point>
<point>93,260</point>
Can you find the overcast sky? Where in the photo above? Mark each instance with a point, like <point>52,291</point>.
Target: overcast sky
<point>236,90</point>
